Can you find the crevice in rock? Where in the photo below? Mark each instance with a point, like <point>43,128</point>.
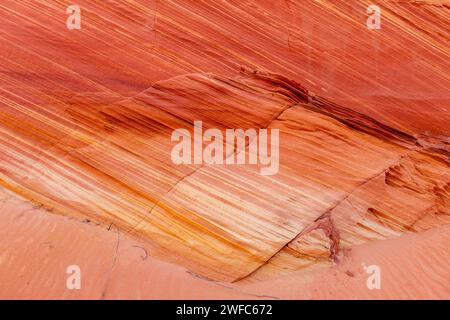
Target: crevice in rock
<point>111,270</point>
<point>324,221</point>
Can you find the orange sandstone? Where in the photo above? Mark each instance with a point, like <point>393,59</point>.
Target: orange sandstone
<point>86,118</point>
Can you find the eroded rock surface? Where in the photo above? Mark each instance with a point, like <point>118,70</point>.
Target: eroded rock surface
<point>86,118</point>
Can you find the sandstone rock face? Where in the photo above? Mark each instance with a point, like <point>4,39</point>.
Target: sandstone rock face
<point>86,124</point>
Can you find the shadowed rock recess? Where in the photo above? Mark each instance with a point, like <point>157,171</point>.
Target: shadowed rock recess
<point>86,176</point>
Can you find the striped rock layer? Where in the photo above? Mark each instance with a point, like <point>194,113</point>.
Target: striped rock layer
<point>86,118</point>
